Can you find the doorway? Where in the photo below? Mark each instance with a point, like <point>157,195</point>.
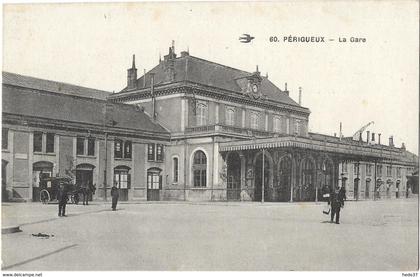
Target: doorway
<point>233,177</point>
<point>154,184</point>
<point>122,179</point>
<point>84,176</point>
<point>367,189</point>
<point>258,179</point>
<point>4,195</point>
<point>41,171</point>
<point>356,189</point>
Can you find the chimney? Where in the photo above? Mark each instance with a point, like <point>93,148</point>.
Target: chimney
<point>341,130</point>
<point>285,89</point>
<point>335,134</point>
<point>379,138</point>
<point>144,78</point>
<point>373,137</point>
<point>300,96</point>
<point>403,146</point>
<point>132,75</point>
<point>173,46</point>
<point>184,54</point>
<point>360,137</point>
<point>367,136</point>
<point>391,141</point>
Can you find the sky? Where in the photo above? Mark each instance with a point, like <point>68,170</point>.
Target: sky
<point>91,44</point>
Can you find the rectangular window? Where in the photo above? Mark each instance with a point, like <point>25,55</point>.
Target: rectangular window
<point>276,125</point>
<point>230,116</point>
<point>344,165</point>
<point>368,169</point>
<point>255,120</point>
<point>118,149</point>
<point>151,152</point>
<point>5,139</point>
<point>80,146</point>
<point>389,171</point>
<point>399,172</point>
<point>50,143</point>
<point>127,149</point>
<point>37,142</point>
<point>91,147</point>
<point>201,113</point>
<point>297,127</point>
<point>356,169</point>
<point>379,170</point>
<point>199,178</point>
<point>159,152</point>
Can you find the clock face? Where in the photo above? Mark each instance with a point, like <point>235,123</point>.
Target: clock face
<point>254,88</point>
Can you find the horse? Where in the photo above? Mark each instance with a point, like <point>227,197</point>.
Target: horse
<point>86,190</point>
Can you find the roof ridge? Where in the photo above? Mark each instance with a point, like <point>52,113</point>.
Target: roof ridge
<point>52,81</point>
<point>215,63</point>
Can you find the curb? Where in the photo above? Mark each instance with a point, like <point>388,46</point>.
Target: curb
<point>10,230</point>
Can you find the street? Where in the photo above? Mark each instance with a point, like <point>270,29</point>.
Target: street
<point>373,235</point>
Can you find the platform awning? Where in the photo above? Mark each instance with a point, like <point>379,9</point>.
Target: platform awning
<point>352,149</point>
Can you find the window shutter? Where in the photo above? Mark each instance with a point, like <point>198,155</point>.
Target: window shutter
<point>160,181</point>
<point>128,181</point>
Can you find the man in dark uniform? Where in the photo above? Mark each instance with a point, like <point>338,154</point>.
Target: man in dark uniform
<point>85,193</point>
<point>337,202</point>
<point>115,194</point>
<point>62,200</point>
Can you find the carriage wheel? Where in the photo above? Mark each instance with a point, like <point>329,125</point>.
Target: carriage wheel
<point>75,199</point>
<point>44,196</point>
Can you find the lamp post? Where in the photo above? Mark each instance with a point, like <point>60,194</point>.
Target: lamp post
<point>263,177</point>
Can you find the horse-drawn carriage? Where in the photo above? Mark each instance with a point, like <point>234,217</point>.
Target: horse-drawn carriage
<point>50,187</point>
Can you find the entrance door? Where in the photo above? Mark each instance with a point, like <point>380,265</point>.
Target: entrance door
<point>84,176</point>
<point>4,196</point>
<point>356,189</point>
<point>367,189</point>
<point>258,179</point>
<point>285,175</point>
<point>122,178</point>
<point>154,184</point>
<point>41,171</point>
<point>233,177</point>
<point>306,191</point>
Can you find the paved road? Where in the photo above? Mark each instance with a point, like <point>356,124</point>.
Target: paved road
<point>380,235</point>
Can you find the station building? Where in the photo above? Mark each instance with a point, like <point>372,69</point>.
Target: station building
<point>196,131</point>
<point>56,129</point>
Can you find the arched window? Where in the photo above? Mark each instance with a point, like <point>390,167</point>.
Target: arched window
<point>201,114</point>
<point>230,116</point>
<point>199,169</point>
<point>175,169</point>
<point>276,124</point>
<point>255,120</point>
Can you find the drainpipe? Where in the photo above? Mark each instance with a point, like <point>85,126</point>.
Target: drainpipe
<point>106,163</point>
<point>152,88</point>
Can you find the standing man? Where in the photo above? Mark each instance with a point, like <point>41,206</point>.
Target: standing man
<point>85,193</point>
<point>62,200</point>
<point>115,194</point>
<point>337,202</point>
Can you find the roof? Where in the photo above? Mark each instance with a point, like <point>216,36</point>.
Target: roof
<point>52,86</point>
<point>70,108</point>
<point>204,72</point>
